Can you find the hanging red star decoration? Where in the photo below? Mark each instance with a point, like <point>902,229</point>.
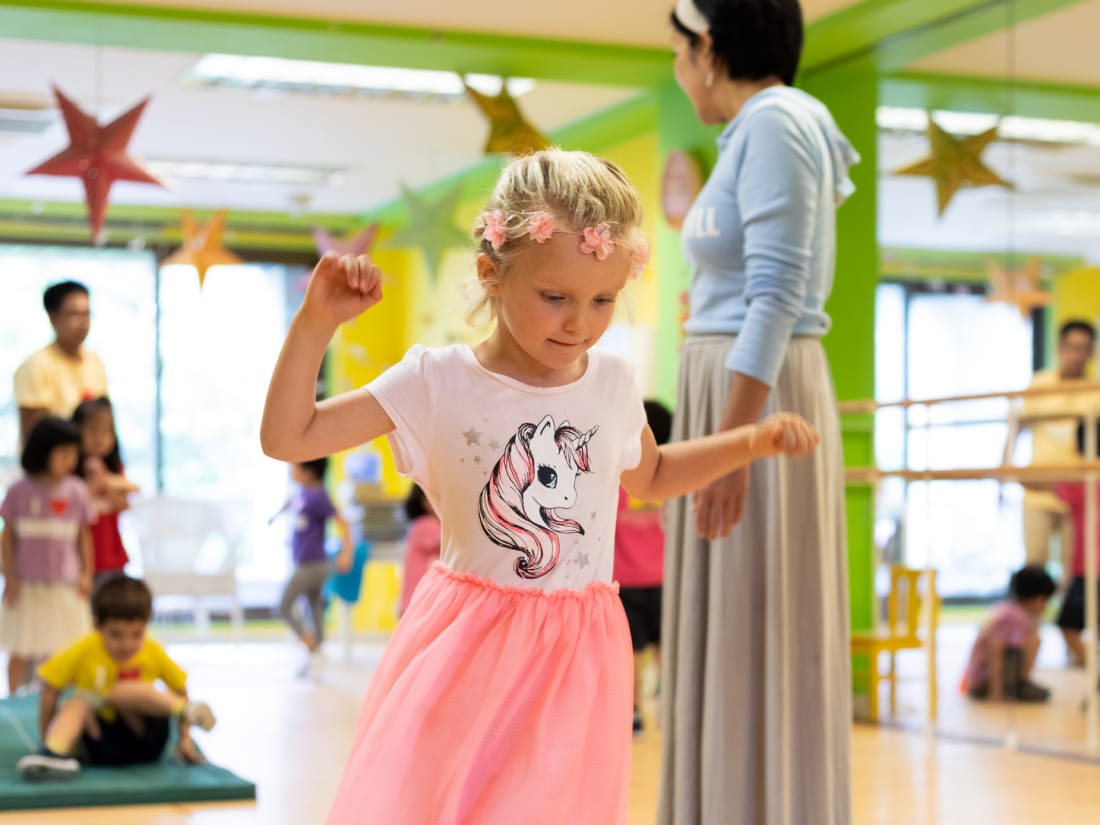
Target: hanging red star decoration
<point>97,155</point>
<point>360,243</point>
<point>202,245</point>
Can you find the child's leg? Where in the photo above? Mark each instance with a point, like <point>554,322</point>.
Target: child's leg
<point>1031,653</point>
<point>17,671</point>
<point>74,718</point>
<point>55,761</point>
<point>296,587</point>
<point>1075,645</point>
<point>137,699</point>
<point>317,610</point>
<point>639,676</point>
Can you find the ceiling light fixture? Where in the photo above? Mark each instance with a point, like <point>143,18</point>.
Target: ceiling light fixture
<point>313,77</point>
<point>1011,127</point>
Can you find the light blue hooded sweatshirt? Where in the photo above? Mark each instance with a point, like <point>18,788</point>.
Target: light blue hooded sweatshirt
<point>761,236</point>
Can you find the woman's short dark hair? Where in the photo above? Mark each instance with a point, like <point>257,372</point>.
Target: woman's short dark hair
<point>755,39</point>
<point>416,504</point>
<point>46,435</point>
<point>1031,581</point>
<point>97,406</point>
<point>54,296</point>
<point>122,598</point>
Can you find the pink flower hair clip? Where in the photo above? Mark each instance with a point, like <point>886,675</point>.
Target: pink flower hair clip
<point>597,241</point>
<point>496,228</point>
<point>639,259</point>
<point>540,226</point>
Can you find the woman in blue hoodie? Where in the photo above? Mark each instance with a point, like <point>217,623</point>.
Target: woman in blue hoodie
<point>756,677</point>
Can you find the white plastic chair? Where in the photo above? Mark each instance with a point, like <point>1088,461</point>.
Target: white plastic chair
<point>190,548</point>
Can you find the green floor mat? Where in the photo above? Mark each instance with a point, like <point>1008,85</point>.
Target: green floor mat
<point>163,781</point>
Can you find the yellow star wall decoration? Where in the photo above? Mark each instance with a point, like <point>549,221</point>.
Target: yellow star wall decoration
<point>202,245</point>
<point>431,227</point>
<point>509,131</point>
<point>954,163</point>
<point>1020,288</point>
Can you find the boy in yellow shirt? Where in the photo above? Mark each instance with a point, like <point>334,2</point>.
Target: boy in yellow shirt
<point>116,714</point>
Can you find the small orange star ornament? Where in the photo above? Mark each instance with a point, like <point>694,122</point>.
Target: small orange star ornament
<point>202,245</point>
<point>1020,288</point>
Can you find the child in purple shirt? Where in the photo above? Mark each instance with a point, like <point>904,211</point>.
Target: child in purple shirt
<point>47,550</point>
<point>311,509</point>
<point>1004,653</point>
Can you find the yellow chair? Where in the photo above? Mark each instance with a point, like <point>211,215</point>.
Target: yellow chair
<point>902,631</point>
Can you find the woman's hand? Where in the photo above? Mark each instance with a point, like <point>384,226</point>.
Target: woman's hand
<point>84,586</point>
<point>11,592</point>
<point>719,506</point>
<point>783,434</point>
<point>342,288</point>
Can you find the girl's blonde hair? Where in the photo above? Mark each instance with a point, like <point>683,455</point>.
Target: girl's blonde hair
<point>576,189</point>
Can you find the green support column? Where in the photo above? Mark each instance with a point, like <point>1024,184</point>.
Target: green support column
<point>851,93</point>
<point>678,128</point>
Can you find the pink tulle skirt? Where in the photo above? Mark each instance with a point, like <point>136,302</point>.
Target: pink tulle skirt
<point>496,705</point>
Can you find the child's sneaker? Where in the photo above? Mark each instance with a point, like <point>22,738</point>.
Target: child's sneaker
<point>47,766</point>
<point>1031,692</point>
<point>199,714</point>
<point>639,723</point>
<point>312,665</point>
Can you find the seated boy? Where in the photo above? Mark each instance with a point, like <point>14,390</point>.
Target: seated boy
<point>1004,654</point>
<point>116,714</point>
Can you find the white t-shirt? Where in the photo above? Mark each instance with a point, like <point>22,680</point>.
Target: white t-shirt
<point>525,479</point>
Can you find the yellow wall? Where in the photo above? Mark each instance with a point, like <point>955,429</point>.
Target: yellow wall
<point>1077,295</point>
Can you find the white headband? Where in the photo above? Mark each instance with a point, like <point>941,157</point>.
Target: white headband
<point>688,14</point>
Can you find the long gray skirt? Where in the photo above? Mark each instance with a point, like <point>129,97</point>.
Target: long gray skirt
<point>756,677</point>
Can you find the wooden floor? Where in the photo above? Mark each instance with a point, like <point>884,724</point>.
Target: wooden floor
<point>290,737</point>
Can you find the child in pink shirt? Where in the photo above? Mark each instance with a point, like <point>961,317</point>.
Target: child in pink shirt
<point>422,543</point>
<point>640,565</point>
<point>1003,655</point>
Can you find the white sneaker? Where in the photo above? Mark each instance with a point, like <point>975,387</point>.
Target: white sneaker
<point>313,665</point>
<point>200,715</point>
<point>41,767</point>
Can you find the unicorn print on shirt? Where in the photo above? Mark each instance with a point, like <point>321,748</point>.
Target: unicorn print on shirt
<point>534,478</point>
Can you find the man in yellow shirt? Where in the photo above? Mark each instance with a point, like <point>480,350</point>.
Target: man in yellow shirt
<point>1053,434</point>
<point>54,380</point>
<point>117,715</point>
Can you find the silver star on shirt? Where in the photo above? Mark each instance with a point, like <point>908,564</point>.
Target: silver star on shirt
<point>582,560</point>
<point>472,437</point>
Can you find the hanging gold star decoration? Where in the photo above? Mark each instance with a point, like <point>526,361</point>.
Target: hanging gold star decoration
<point>431,227</point>
<point>1020,288</point>
<point>202,245</point>
<point>97,155</point>
<point>955,163</point>
<point>509,131</point>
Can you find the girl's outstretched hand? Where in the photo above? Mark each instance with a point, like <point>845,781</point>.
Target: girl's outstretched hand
<point>783,434</point>
<point>341,288</point>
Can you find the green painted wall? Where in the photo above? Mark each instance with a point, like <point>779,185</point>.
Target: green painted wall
<point>851,93</point>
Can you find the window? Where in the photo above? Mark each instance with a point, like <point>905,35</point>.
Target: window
<point>932,343</point>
